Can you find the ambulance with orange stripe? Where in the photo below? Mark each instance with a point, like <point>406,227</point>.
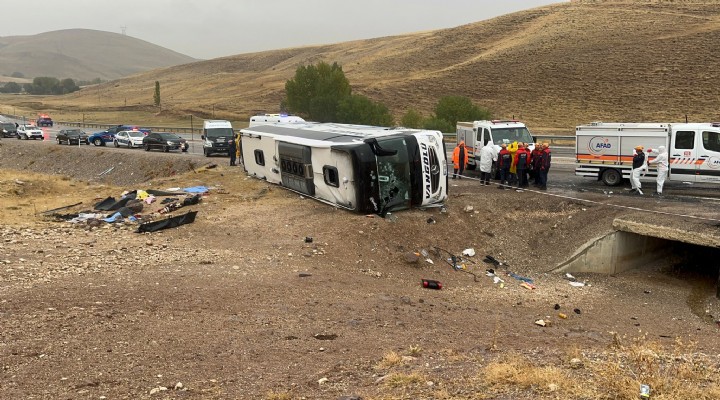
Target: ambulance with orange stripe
<point>604,150</point>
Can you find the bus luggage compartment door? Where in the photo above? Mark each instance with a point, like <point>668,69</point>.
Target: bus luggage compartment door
<point>296,167</point>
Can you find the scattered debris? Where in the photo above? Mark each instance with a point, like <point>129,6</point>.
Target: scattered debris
<point>431,284</point>
<point>577,311</point>
<point>469,209</point>
<point>557,306</point>
<point>320,336</point>
<point>173,222</point>
<point>527,285</point>
<point>644,391</point>
<point>562,316</point>
<point>429,261</point>
<point>323,381</point>
<point>412,258</point>
<point>107,171</point>
<point>576,363</point>
<point>577,284</point>
<point>431,220</point>
<point>60,208</point>
<point>304,274</point>
<point>540,322</point>
<point>308,239</point>
<point>469,252</point>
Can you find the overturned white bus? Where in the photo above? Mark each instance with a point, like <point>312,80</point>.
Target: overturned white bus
<point>365,169</point>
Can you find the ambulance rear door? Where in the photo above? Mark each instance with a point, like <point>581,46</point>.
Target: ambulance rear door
<point>683,154</point>
<point>708,162</point>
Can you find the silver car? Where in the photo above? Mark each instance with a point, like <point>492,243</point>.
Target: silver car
<point>29,132</point>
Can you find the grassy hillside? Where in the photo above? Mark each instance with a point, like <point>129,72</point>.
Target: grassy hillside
<point>554,67</point>
<point>83,54</point>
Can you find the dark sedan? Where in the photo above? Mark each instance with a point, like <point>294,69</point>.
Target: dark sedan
<point>164,141</point>
<point>72,136</point>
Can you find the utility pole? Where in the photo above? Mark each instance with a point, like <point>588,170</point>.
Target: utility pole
<point>192,131</point>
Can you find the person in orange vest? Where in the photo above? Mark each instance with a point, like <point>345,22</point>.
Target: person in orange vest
<point>460,158</point>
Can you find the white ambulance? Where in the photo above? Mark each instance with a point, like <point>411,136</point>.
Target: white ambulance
<point>217,135</point>
<point>604,151</point>
<point>366,169</point>
<point>477,134</point>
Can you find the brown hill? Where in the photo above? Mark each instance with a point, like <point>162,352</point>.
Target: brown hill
<point>554,67</point>
<point>83,54</point>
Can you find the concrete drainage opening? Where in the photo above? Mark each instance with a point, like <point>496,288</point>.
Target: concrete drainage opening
<point>620,251</point>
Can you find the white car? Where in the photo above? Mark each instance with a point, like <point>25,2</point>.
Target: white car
<point>129,138</point>
<point>29,132</point>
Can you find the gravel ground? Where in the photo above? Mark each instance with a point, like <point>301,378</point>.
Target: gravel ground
<point>240,305</point>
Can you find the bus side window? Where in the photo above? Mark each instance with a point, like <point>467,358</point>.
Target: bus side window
<point>331,176</point>
<point>259,157</point>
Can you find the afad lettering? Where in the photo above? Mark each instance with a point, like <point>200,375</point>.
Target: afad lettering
<point>603,146</point>
<point>426,169</point>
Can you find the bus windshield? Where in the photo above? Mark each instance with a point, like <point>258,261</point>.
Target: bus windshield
<point>393,171</point>
<point>510,135</point>
<point>219,132</point>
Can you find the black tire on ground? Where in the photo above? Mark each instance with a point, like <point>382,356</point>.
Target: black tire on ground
<point>166,148</point>
<point>207,153</point>
<point>611,177</point>
<point>116,143</point>
<point>98,142</point>
<point>59,141</point>
<point>129,144</point>
<point>147,147</point>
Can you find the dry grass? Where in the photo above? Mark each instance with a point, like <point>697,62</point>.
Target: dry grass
<point>676,373</point>
<point>389,360</point>
<point>399,380</point>
<point>278,396</point>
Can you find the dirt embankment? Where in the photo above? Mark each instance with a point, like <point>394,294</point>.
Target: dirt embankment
<point>240,305</point>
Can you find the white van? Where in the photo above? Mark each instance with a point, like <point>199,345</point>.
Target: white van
<point>274,119</point>
<point>216,136</point>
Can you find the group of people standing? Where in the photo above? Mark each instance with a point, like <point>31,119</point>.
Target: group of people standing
<point>515,163</point>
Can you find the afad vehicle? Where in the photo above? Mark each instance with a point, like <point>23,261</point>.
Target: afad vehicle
<point>604,150</point>
<point>44,120</point>
<point>108,135</point>
<point>365,169</point>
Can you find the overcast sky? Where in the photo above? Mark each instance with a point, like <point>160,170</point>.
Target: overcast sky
<point>215,28</point>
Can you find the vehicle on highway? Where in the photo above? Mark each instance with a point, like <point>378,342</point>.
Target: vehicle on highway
<point>604,150</point>
<point>8,129</point>
<point>44,120</point>
<point>477,134</point>
<point>108,135</point>
<point>164,141</point>
<point>71,136</point>
<point>217,135</point>
<point>129,139</point>
<point>29,132</point>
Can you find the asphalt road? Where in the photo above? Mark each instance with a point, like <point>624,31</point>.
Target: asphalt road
<point>561,177</point>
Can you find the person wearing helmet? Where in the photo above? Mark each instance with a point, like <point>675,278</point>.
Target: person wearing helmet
<point>662,168</point>
<point>459,159</point>
<point>639,166</point>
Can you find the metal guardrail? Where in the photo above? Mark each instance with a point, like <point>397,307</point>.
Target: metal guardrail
<point>102,125</point>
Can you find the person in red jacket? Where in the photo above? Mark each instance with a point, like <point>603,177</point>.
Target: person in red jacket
<point>460,158</point>
<point>522,161</point>
<point>535,156</point>
<point>545,161</point>
<point>504,163</point>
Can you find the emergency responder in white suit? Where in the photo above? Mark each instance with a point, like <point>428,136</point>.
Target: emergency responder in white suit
<point>662,168</point>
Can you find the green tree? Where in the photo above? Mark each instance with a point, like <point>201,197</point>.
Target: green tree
<point>156,97</point>
<point>11,87</point>
<point>316,90</point>
<point>459,108</point>
<point>412,119</point>
<point>434,123</point>
<point>358,109</point>
<point>68,85</point>
<point>43,85</point>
